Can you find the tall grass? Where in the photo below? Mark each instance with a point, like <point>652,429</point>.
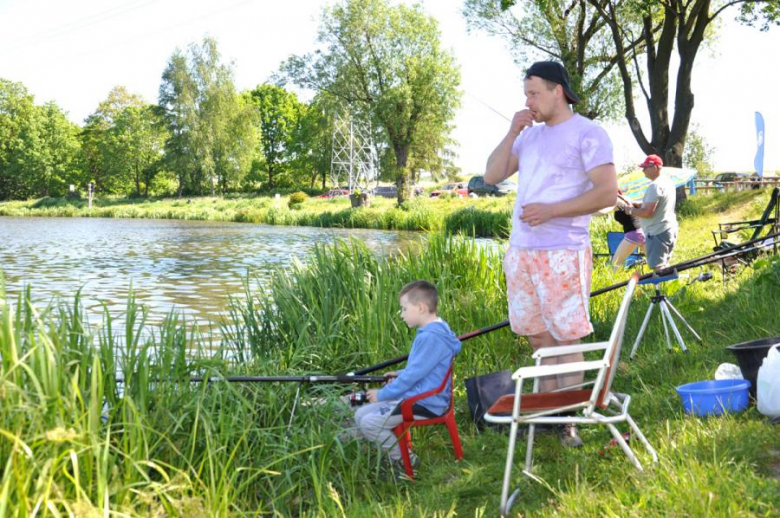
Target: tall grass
<point>485,217</point>
<point>74,439</point>
<point>77,441</point>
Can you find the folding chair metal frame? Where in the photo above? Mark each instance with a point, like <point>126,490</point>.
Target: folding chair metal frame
<point>769,218</point>
<point>597,405</point>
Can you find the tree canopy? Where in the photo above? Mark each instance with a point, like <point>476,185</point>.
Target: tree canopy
<point>279,113</point>
<point>667,27</point>
<point>387,61</point>
<point>39,147</point>
<point>212,138</point>
<point>572,33</point>
<point>635,38</point>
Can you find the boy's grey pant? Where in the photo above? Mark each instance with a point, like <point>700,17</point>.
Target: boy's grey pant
<point>375,422</point>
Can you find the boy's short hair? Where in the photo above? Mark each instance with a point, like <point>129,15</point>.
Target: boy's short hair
<point>421,291</point>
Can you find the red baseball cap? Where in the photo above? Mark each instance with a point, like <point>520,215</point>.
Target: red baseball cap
<point>652,160</point>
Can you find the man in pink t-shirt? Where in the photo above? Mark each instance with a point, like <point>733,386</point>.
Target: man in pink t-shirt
<point>565,173</point>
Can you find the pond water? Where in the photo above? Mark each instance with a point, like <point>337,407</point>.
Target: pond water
<point>189,266</point>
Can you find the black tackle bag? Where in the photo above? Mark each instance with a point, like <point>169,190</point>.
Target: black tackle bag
<point>483,391</point>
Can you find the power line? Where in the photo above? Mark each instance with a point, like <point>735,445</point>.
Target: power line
<point>82,23</point>
<point>162,29</point>
<point>488,106</point>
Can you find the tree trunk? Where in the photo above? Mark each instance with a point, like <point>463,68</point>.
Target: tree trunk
<point>402,173</point>
<point>137,180</point>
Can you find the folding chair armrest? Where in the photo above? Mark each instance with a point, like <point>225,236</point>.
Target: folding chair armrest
<point>560,350</point>
<point>537,371</point>
<point>739,223</point>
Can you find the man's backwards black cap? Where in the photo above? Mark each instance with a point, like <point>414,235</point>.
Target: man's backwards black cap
<point>553,71</point>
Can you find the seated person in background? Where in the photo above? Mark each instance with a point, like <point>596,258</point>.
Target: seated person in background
<point>633,235</point>
<point>656,214</point>
<point>433,350</point>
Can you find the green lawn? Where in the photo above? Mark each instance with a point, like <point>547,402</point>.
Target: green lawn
<point>173,448</point>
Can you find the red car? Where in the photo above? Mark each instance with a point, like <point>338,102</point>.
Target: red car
<point>334,193</point>
<point>452,187</point>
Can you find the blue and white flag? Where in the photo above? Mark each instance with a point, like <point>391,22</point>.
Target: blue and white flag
<point>759,160</point>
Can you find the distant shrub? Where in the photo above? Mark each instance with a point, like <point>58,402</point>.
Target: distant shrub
<point>479,222</point>
<point>296,199</point>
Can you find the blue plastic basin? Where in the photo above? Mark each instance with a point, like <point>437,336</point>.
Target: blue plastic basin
<point>714,397</point>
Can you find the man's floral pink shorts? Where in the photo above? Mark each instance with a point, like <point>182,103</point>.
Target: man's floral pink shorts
<point>548,290</point>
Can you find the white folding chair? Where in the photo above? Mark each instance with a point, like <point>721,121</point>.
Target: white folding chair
<point>596,405</point>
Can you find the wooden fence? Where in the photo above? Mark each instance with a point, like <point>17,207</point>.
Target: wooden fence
<point>710,186</point>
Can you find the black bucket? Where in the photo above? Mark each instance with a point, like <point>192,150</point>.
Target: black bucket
<point>750,356</point>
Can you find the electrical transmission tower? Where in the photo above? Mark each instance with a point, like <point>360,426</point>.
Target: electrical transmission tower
<point>353,155</point>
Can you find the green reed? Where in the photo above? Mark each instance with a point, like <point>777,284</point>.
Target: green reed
<point>486,217</point>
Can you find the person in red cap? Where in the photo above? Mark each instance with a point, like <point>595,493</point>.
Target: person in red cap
<point>565,172</point>
<point>656,214</point>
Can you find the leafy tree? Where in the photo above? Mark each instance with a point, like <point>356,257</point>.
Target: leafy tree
<point>311,142</point>
<point>434,153</point>
<point>239,146</point>
<point>668,26</point>
<point>139,139</point>
<point>39,149</point>
<point>105,160</point>
<point>57,162</point>
<point>178,106</point>
<point>387,61</point>
<point>570,32</point>
<point>698,153</point>
<point>18,118</point>
<point>279,114</point>
<point>211,135</point>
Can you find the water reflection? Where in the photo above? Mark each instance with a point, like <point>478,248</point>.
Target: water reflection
<point>192,266</point>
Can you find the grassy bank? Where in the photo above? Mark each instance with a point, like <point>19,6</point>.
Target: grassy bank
<point>75,439</point>
<point>485,217</point>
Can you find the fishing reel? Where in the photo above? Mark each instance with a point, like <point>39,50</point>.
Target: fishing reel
<point>702,277</point>
<point>358,398</point>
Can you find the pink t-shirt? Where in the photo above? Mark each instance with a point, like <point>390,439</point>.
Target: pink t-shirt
<point>553,166</point>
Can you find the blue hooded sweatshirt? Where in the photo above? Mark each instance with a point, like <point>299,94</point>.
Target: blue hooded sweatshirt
<point>433,349</point>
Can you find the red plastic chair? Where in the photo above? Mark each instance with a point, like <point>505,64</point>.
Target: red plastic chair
<point>403,432</point>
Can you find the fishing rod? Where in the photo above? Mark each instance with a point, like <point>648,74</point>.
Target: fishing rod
<point>361,375</point>
<point>462,338</point>
<point>720,255</point>
<point>316,378</point>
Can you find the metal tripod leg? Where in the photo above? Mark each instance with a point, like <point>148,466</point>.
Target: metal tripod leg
<point>667,315</point>
<point>642,329</point>
<point>679,315</point>
<point>666,326</point>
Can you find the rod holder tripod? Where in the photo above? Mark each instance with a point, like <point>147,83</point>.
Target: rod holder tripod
<point>668,311</point>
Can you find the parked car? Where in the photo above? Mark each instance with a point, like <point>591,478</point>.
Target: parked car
<point>731,177</point>
<point>386,191</point>
<point>335,193</point>
<point>478,186</point>
<point>457,188</point>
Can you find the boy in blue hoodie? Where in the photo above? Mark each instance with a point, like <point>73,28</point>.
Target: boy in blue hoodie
<point>433,350</point>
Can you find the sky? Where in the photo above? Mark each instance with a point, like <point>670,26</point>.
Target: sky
<point>75,52</point>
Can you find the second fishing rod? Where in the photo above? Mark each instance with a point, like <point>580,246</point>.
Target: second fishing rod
<point>748,247</point>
